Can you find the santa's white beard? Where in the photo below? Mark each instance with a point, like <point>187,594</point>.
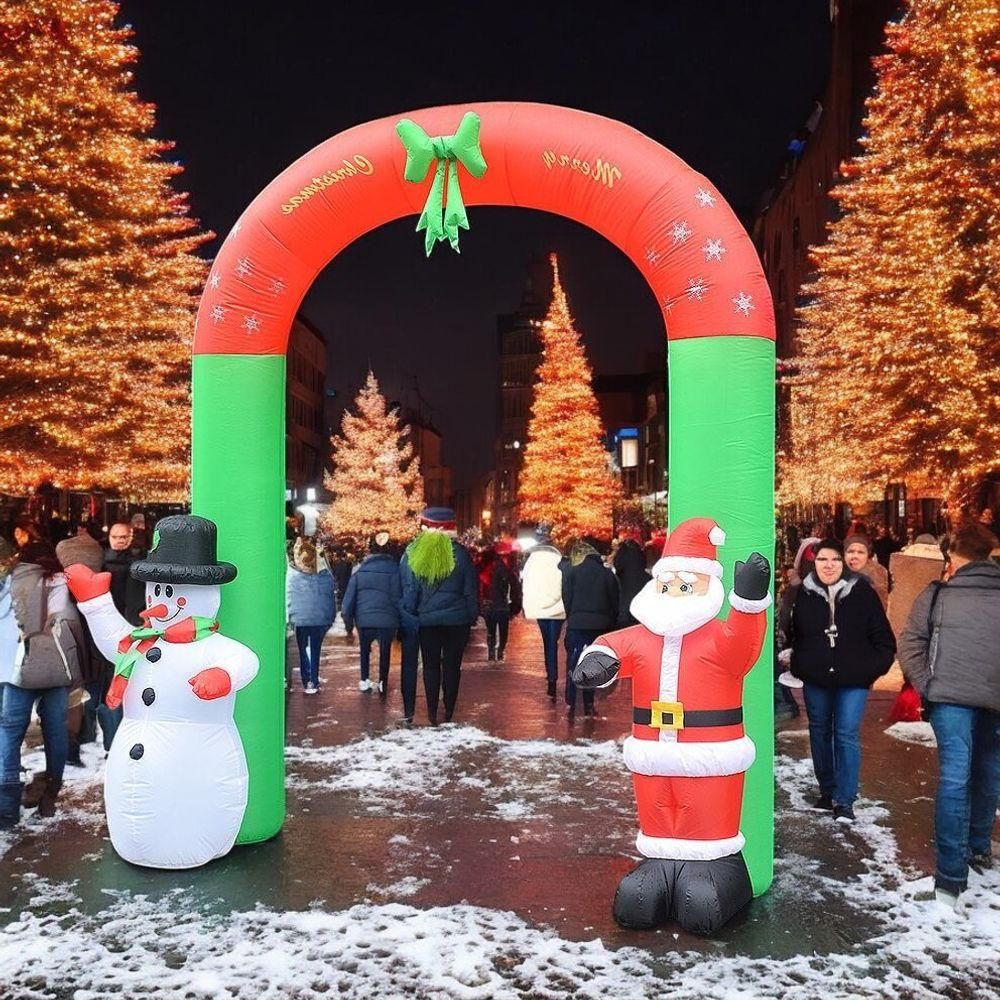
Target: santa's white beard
<point>666,615</point>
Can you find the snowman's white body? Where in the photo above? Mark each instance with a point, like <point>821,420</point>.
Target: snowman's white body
<point>175,788</point>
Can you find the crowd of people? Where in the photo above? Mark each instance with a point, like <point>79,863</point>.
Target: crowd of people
<point>49,663</point>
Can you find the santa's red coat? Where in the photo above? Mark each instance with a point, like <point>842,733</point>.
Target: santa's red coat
<point>689,782</point>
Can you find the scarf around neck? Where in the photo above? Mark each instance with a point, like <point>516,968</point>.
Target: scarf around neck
<point>141,639</point>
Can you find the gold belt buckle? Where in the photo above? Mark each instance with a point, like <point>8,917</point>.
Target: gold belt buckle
<point>657,709</point>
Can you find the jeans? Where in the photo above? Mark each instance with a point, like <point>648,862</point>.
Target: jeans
<point>441,648</point>
<point>410,639</point>
<point>834,720</point>
<point>496,621</point>
<point>310,640</point>
<point>384,636</point>
<point>15,714</point>
<point>968,742</point>
<point>550,629</point>
<point>576,639</point>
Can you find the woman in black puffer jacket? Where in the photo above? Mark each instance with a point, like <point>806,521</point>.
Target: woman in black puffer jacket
<point>841,643</point>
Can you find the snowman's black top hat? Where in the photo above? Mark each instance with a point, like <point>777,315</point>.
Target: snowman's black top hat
<point>184,552</point>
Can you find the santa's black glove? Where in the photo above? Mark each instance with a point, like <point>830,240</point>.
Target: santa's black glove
<point>595,669</point>
<point>752,579</point>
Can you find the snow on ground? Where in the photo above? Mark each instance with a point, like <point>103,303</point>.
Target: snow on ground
<point>913,732</point>
<point>179,945</point>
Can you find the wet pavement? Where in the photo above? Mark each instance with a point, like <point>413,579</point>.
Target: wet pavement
<point>517,806</point>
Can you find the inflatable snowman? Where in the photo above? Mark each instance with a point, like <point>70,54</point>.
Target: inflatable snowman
<point>175,788</point>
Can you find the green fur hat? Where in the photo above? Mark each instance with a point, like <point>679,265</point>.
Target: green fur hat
<point>431,557</point>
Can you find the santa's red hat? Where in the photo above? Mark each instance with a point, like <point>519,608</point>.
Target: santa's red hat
<point>691,548</point>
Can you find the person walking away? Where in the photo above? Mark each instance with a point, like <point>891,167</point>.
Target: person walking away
<point>9,636</point>
<point>46,668</point>
<point>858,558</point>
<point>950,651</point>
<point>342,567</point>
<point>495,582</point>
<point>630,568</point>
<point>439,592</point>
<point>841,643</point>
<point>312,607</point>
<point>541,594</point>
<point>372,600</point>
<point>592,601</point>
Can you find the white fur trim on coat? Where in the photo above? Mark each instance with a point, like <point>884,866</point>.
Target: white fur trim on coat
<point>688,760</point>
<point>689,563</point>
<point>738,603</point>
<point>672,848</point>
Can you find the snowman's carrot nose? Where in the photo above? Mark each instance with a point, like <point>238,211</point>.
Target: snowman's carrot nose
<point>156,611</point>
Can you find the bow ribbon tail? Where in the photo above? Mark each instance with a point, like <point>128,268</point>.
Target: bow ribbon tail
<point>431,217</point>
<point>455,217</point>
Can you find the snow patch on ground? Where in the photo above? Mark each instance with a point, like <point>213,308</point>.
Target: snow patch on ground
<point>410,885</point>
<point>913,732</point>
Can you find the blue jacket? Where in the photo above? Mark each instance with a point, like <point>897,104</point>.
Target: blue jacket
<point>373,593</point>
<point>310,598</point>
<point>453,601</point>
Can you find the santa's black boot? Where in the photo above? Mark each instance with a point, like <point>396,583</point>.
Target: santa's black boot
<point>642,901</point>
<point>708,894</point>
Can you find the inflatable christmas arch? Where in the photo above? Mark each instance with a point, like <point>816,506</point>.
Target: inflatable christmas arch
<point>669,220</point>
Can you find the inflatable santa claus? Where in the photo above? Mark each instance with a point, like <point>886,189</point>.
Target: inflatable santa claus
<point>688,751</point>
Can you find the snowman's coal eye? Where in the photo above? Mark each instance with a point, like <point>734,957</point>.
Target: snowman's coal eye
<point>169,591</point>
<point>156,590</point>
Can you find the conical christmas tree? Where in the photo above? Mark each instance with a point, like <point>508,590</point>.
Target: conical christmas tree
<point>99,277</point>
<point>901,342</point>
<point>376,482</point>
<point>566,480</point>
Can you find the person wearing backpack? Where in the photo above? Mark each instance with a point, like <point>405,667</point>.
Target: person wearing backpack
<point>46,667</point>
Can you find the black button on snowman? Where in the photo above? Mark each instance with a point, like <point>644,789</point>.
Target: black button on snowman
<point>175,787</point>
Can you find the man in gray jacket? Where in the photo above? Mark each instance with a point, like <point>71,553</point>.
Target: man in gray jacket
<point>950,652</point>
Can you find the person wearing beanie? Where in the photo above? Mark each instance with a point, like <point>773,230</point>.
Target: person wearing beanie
<point>840,642</point>
<point>440,598</point>
<point>311,605</point>
<point>859,559</point>
<point>372,600</point>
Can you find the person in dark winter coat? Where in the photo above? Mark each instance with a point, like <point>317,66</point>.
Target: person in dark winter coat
<point>950,652</point>
<point>592,600</point>
<point>630,568</point>
<point>374,593</point>
<point>440,596</point>
<point>495,587</point>
<point>841,643</point>
<point>312,606</point>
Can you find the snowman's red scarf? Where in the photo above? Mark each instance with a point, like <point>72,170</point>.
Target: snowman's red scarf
<point>139,640</point>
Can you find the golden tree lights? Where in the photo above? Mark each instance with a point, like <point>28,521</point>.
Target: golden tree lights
<point>566,479</point>
<point>901,341</point>
<point>99,278</point>
<point>376,482</point>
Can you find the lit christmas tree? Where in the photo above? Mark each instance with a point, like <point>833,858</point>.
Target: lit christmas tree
<point>901,342</point>
<point>566,480</point>
<point>376,482</point>
<point>99,278</point>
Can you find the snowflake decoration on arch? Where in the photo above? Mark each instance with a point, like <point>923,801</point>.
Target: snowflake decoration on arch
<point>704,198</point>
<point>713,250</point>
<point>251,324</point>
<point>652,255</point>
<point>668,304</point>
<point>213,281</point>
<point>696,289</point>
<point>680,232</point>
<point>218,314</point>
<point>277,286</point>
<point>743,303</point>
<point>243,267</point>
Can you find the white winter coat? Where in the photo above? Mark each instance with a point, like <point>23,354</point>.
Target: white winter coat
<point>541,582</point>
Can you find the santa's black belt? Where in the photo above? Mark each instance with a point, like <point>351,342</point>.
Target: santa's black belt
<point>673,715</point>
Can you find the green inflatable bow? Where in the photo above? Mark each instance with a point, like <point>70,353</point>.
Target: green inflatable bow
<point>440,222</point>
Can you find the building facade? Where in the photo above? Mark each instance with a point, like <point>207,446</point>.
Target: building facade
<point>426,440</point>
<point>306,440</point>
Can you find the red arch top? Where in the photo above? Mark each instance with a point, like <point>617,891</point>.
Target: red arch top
<point>667,218</point>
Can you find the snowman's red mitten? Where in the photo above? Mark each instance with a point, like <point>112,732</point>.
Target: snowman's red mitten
<point>84,583</point>
<point>116,691</point>
<point>210,683</point>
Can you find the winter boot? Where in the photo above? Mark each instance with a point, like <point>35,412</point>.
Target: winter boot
<point>708,894</point>
<point>10,804</point>
<point>47,805</point>
<point>642,901</point>
<point>34,790</point>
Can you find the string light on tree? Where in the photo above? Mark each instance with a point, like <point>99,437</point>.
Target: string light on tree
<point>99,277</point>
<point>566,480</point>
<point>900,370</point>
<point>376,482</point>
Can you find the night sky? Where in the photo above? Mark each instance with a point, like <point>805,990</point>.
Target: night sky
<point>245,89</point>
